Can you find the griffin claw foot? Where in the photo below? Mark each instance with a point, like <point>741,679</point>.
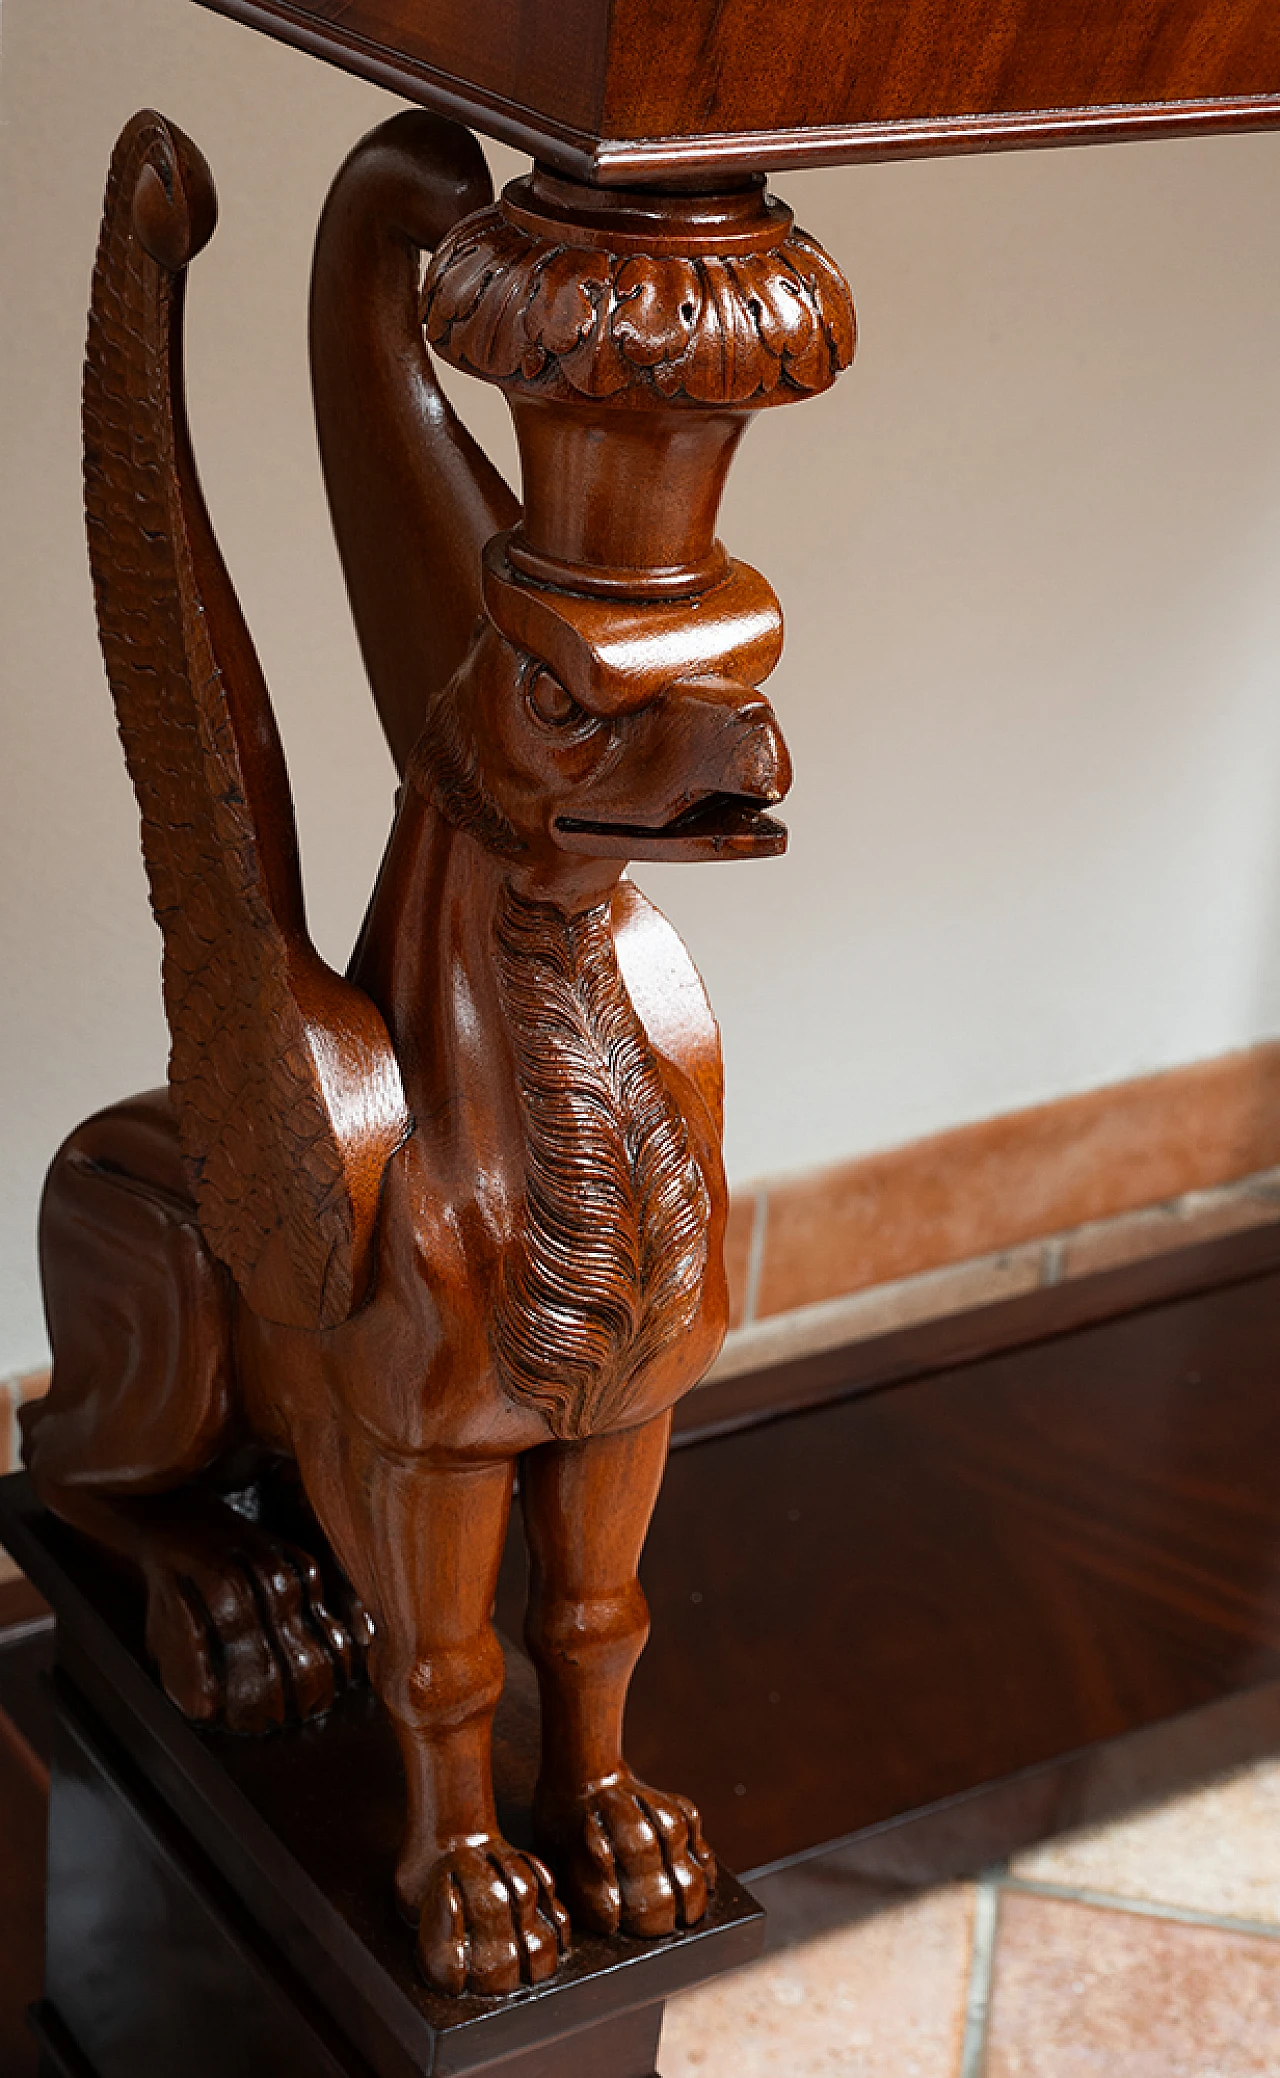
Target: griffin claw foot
<point>490,1922</point>
<point>240,1632</point>
<point>629,1859</point>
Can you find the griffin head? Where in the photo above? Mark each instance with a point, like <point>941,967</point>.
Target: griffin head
<point>580,728</point>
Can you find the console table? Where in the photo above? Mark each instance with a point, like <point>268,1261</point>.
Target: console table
<point>650,120</point>
<point>638,92</point>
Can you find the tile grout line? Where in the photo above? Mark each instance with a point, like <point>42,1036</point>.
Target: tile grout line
<point>755,1257</point>
<point>973,2052</point>
<point>1141,1908</point>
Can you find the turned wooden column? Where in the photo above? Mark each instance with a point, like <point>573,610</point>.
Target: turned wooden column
<point>633,333</point>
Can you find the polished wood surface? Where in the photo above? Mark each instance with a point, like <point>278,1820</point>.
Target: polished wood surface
<point>638,90</point>
<point>746,1398</point>
<point>391,1234</point>
<point>275,1854</point>
<point>892,1602</point>
<point>1062,1546</point>
<point>388,1235</point>
<point>24,1784</point>
<point>26,1727</point>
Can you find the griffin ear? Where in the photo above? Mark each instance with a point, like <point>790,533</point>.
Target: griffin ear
<point>412,496</point>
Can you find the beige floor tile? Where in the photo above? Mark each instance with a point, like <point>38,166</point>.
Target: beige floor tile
<point>1201,1216</point>
<point>1080,1992</point>
<point>880,1310</point>
<point>1217,1850</point>
<point>884,1998</point>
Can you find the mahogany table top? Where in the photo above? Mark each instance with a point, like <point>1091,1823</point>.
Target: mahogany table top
<point>626,91</point>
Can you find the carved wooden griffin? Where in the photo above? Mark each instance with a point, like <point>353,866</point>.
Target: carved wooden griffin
<point>463,1207</point>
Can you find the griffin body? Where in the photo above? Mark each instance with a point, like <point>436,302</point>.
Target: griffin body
<point>386,1235</point>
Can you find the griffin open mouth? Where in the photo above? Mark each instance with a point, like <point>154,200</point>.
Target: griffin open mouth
<point>717,826</point>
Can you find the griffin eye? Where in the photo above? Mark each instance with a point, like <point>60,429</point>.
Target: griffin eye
<point>553,706</point>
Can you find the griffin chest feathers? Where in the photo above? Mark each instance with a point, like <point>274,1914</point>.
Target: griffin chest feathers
<point>605,1272</point>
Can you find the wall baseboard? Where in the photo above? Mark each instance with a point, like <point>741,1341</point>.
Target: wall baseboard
<point>980,1191</point>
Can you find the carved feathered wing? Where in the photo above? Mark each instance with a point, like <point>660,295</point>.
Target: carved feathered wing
<point>287,1091</point>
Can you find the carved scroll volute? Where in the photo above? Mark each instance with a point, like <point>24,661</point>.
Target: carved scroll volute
<point>413,498</point>
<point>634,335</point>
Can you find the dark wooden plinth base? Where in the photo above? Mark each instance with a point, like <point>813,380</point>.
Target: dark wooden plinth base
<point>972,1602</point>
<point>156,1962</point>
<point>223,1907</point>
<point>939,1597</point>
<point>931,1598</point>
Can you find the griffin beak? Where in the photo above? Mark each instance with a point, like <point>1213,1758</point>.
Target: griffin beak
<point>714,764</point>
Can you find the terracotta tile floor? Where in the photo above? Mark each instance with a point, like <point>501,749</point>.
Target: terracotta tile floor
<point>1149,1948</point>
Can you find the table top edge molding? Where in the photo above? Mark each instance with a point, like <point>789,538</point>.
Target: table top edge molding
<point>619,160</point>
<point>615,161</point>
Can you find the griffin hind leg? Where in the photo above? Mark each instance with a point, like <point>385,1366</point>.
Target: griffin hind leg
<point>143,1403</point>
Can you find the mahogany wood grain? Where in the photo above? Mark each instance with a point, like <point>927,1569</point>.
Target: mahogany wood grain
<point>631,90</point>
<point>871,65</point>
<point>1003,1596</point>
<point>1005,1563</point>
<point>388,1234</point>
<point>787,1387</point>
<point>24,1783</point>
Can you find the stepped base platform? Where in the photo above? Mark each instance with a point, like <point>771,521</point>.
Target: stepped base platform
<point>916,1603</point>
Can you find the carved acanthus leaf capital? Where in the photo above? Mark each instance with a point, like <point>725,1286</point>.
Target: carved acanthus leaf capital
<point>740,329</point>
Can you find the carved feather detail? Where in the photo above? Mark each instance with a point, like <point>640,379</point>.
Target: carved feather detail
<point>287,1091</point>
<point>606,1271</point>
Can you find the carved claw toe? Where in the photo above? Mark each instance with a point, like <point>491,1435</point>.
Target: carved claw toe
<point>241,1633</point>
<point>490,1922</point>
<point>353,1619</point>
<point>630,1859</point>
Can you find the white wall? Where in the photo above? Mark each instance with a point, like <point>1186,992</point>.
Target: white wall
<point>1029,551</point>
